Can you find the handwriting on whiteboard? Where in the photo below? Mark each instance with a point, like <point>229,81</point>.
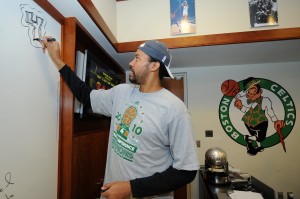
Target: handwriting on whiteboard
<point>35,23</point>
<point>5,184</point>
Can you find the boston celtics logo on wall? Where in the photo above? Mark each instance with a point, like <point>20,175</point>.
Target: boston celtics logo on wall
<point>256,113</point>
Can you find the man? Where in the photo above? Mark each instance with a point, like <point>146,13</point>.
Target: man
<point>151,149</point>
<point>185,8</point>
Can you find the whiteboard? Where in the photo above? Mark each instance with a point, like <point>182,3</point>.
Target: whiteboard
<point>29,116</point>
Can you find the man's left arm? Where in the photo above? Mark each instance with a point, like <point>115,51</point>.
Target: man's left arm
<point>184,154</point>
<point>159,183</point>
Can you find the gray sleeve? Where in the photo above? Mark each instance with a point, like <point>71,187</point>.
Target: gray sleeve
<point>102,101</point>
<point>183,144</point>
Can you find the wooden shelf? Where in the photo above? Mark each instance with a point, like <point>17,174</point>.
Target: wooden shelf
<point>83,141</point>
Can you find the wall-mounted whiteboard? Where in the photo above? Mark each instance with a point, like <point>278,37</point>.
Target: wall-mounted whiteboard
<point>29,101</point>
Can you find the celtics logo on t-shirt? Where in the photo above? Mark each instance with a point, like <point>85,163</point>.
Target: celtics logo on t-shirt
<point>125,138</point>
<point>256,113</point>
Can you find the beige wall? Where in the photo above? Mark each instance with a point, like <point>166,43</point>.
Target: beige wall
<point>145,19</point>
<point>274,167</point>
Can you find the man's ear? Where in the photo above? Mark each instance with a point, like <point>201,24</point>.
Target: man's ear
<point>155,66</point>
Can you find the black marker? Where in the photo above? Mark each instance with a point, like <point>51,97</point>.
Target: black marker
<point>48,39</point>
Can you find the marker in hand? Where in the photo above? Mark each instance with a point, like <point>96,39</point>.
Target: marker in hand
<point>48,39</point>
<point>44,39</point>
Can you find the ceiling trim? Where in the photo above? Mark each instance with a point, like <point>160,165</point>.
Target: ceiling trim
<point>219,39</point>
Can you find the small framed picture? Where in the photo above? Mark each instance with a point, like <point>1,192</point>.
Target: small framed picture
<point>263,13</point>
<point>182,15</point>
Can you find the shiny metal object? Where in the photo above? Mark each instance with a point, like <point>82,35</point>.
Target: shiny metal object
<point>216,166</point>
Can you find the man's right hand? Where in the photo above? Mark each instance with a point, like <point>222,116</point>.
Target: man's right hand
<point>116,190</point>
<point>53,51</point>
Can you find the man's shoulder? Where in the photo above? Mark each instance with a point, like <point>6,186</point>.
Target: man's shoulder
<point>174,101</point>
<point>125,86</point>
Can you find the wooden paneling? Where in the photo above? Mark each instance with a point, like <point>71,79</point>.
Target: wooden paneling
<point>66,115</point>
<point>181,193</point>
<point>219,39</point>
<point>89,158</point>
<point>175,86</point>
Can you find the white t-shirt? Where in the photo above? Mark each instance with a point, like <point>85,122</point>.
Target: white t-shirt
<point>149,132</point>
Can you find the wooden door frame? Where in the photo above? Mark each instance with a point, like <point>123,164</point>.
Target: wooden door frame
<point>183,192</point>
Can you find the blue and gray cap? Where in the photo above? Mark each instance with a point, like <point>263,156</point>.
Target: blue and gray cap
<point>159,51</point>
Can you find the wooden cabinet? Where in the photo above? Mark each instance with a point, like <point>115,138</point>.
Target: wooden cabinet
<point>83,142</point>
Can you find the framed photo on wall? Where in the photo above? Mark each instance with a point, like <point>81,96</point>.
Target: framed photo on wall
<point>182,17</point>
<point>263,13</point>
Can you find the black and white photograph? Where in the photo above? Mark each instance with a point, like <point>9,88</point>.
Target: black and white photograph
<point>263,13</point>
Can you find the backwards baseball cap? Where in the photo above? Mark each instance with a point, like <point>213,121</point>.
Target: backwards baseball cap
<point>158,51</point>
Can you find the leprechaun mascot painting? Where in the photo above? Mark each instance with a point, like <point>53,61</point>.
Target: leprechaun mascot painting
<point>255,118</point>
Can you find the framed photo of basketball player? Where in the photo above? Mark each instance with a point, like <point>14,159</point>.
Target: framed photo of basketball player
<point>263,13</point>
<point>182,17</point>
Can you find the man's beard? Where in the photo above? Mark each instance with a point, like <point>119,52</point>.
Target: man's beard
<point>132,78</point>
<point>139,78</point>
